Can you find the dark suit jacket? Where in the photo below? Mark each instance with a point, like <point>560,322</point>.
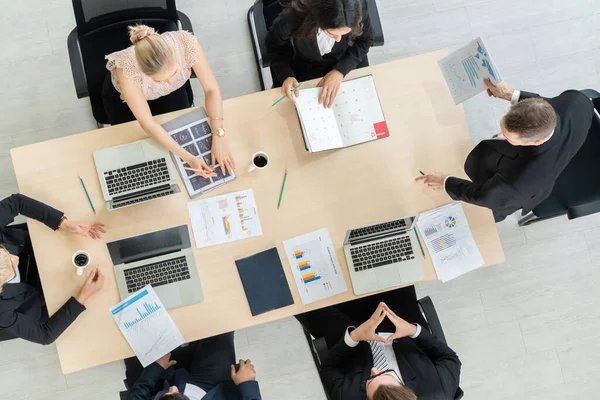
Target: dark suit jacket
<point>506,178</point>
<point>145,387</point>
<point>20,304</point>
<point>428,367</point>
<point>300,57</point>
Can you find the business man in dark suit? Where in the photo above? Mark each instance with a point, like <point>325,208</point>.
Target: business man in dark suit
<point>406,363</point>
<point>319,39</point>
<point>540,137</point>
<point>211,376</point>
<point>23,313</point>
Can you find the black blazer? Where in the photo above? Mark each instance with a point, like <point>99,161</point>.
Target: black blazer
<point>145,387</point>
<point>507,178</point>
<point>20,304</point>
<point>428,366</point>
<point>300,57</point>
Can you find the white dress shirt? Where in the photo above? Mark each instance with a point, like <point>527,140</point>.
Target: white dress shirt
<point>193,392</point>
<point>325,42</point>
<point>388,350</point>
<point>17,278</point>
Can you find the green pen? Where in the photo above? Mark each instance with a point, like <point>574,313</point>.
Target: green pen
<point>283,97</point>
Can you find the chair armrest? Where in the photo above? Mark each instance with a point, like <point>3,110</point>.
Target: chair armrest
<point>583,210</point>
<point>378,38</point>
<point>77,70</point>
<point>320,346</point>
<point>186,24</point>
<point>435,326</point>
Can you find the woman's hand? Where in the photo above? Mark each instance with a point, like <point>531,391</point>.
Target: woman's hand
<point>331,84</point>
<point>92,285</point>
<point>200,167</point>
<point>92,230</point>
<point>221,154</point>
<point>286,89</point>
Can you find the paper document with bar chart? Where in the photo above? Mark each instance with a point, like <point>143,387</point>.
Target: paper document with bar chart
<point>225,218</point>
<point>466,68</point>
<point>147,326</point>
<point>315,266</point>
<point>449,240</point>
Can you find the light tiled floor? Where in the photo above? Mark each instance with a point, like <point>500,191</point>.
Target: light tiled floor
<point>527,329</point>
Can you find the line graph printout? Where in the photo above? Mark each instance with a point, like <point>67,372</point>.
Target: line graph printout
<point>315,266</point>
<point>466,68</point>
<point>449,241</point>
<point>146,325</point>
<point>224,218</point>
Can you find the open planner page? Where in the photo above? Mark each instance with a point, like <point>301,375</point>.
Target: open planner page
<point>318,123</point>
<point>358,112</point>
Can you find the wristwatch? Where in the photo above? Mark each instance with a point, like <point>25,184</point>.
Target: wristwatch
<point>220,132</point>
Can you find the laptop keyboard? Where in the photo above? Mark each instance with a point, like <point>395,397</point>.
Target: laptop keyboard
<point>157,274</point>
<point>373,229</point>
<point>136,176</point>
<point>381,253</point>
<point>136,200</point>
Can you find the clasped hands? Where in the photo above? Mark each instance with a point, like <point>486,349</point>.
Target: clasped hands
<point>367,330</point>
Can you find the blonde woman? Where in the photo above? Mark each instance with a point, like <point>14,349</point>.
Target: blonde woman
<point>150,78</point>
<point>23,313</point>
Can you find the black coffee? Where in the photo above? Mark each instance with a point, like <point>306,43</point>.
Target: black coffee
<point>260,161</point>
<point>81,260</point>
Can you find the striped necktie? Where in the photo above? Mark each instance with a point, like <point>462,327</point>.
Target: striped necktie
<point>379,360</point>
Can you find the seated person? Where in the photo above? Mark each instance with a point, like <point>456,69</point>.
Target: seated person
<point>150,77</point>
<point>319,38</point>
<point>405,363</point>
<point>23,313</point>
<point>211,374</point>
<point>540,137</point>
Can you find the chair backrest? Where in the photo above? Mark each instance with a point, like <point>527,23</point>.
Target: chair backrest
<point>94,14</point>
<point>572,193</point>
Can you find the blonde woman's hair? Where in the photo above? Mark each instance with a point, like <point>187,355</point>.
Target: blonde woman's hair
<point>6,267</point>
<point>152,51</point>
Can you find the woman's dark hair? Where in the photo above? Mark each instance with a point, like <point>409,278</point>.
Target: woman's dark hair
<point>328,14</point>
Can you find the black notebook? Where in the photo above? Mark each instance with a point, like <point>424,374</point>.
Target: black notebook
<point>264,282</point>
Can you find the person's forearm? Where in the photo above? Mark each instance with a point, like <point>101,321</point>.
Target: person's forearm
<point>158,133</point>
<point>214,109</point>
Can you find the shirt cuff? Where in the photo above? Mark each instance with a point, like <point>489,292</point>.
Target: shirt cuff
<point>445,179</point>
<point>416,335</point>
<point>515,97</point>
<point>348,340</point>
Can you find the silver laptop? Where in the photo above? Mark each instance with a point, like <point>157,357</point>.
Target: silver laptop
<point>383,255</point>
<point>134,173</point>
<point>163,259</point>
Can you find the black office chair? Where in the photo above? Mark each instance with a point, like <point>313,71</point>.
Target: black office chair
<point>576,191</point>
<point>260,18</point>
<point>102,29</point>
<point>318,346</point>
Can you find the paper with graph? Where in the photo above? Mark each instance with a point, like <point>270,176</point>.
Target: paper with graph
<point>466,68</point>
<point>449,240</point>
<point>147,326</point>
<point>225,218</point>
<point>315,266</point>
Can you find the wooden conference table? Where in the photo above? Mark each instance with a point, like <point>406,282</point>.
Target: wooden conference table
<point>338,190</point>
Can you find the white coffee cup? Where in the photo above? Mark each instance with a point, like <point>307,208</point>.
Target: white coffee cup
<point>78,263</point>
<point>260,160</point>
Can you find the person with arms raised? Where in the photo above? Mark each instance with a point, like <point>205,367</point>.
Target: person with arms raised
<point>319,39</point>
<point>23,313</point>
<point>539,137</point>
<point>148,78</point>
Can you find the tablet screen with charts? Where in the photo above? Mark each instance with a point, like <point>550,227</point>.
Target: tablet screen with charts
<point>196,137</point>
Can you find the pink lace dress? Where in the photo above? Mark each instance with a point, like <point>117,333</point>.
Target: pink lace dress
<point>186,53</point>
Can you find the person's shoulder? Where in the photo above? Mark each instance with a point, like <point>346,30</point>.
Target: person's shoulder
<point>287,20</point>
<point>572,97</point>
<point>117,59</point>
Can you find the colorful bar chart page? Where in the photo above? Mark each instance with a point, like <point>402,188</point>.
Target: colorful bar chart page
<point>146,325</point>
<point>466,68</point>
<point>224,218</point>
<point>449,240</point>
<point>315,266</point>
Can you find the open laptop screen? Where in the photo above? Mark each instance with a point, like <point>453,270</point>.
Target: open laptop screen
<point>149,245</point>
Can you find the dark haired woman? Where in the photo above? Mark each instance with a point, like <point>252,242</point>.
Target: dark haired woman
<point>319,38</point>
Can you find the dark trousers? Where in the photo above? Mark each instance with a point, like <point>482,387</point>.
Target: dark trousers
<point>331,322</point>
<point>306,71</point>
<point>118,111</point>
<point>208,362</point>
